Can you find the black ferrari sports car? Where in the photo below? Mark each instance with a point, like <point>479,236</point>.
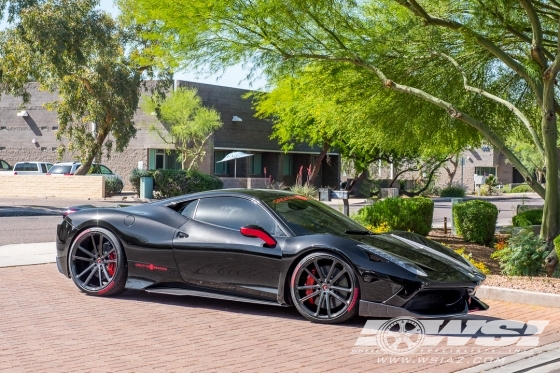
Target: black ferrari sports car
<point>264,246</point>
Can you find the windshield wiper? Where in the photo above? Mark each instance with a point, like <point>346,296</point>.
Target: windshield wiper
<point>365,233</point>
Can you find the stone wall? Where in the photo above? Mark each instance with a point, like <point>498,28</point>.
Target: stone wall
<point>75,187</point>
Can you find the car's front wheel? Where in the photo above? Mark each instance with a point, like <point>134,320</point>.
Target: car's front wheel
<point>97,264</point>
<point>325,289</point>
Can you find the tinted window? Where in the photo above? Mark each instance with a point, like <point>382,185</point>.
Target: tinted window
<point>43,168</point>
<point>94,169</point>
<point>188,209</point>
<point>305,216</point>
<point>234,213</point>
<point>60,169</point>
<point>26,167</point>
<point>105,170</point>
<point>4,165</point>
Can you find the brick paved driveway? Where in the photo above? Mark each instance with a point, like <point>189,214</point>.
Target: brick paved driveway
<point>47,325</point>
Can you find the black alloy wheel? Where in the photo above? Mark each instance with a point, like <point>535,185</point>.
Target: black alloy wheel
<point>325,289</point>
<point>97,263</point>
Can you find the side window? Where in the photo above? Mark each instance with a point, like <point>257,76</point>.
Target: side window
<point>188,209</point>
<point>234,213</point>
<point>43,168</point>
<point>105,170</point>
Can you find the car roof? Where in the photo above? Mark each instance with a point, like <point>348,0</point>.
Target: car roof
<point>255,193</point>
<point>34,162</point>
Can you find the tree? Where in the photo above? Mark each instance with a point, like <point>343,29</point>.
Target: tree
<point>490,65</point>
<point>189,125</point>
<point>71,48</point>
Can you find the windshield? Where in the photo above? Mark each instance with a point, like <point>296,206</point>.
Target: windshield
<point>305,216</point>
<point>60,169</point>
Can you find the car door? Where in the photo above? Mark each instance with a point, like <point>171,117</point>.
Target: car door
<point>212,253</point>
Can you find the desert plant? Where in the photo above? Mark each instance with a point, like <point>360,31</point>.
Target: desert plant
<point>408,214</point>
<point>491,183</point>
<point>475,220</point>
<point>529,217</point>
<point>523,255</point>
<point>305,190</point>
<point>113,185</point>
<point>506,188</point>
<point>453,191</point>
<point>523,188</point>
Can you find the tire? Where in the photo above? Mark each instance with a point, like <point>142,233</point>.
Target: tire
<point>325,289</point>
<point>97,264</point>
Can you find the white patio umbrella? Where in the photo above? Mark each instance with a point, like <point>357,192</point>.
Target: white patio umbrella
<point>234,156</point>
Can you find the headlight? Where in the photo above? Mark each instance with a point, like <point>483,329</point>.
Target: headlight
<point>393,259</point>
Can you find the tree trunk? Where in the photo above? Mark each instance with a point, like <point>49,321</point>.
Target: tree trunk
<point>317,166</point>
<point>549,228</point>
<point>99,140</point>
<point>451,172</point>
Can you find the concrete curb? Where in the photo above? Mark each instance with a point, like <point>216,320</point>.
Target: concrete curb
<point>518,296</point>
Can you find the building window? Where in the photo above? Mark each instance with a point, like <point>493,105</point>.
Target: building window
<point>54,148</point>
<point>485,171</point>
<point>3,128</point>
<point>55,128</point>
<point>44,128</point>
<point>222,167</point>
<point>288,164</point>
<point>43,148</point>
<point>163,159</point>
<point>255,166</point>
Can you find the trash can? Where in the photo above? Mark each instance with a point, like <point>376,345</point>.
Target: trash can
<point>146,187</point>
<point>325,194</point>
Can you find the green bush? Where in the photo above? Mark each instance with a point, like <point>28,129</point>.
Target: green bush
<point>453,191</point>
<point>557,245</point>
<point>475,220</point>
<point>305,190</point>
<point>135,176</point>
<point>506,188</point>
<point>113,185</point>
<point>529,217</point>
<point>407,214</point>
<point>171,183</point>
<point>523,188</point>
<point>523,255</point>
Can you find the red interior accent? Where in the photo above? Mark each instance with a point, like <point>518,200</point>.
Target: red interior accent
<point>253,232</point>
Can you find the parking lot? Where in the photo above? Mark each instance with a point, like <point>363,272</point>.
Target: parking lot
<point>47,325</point>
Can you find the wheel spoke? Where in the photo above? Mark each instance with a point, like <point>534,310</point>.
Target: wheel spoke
<point>312,275</point>
<point>87,252</point>
<point>338,297</point>
<point>94,245</point>
<point>82,258</point>
<point>107,253</point>
<point>307,287</point>
<point>330,271</point>
<point>100,247</point>
<point>85,270</point>
<point>110,261</point>
<point>346,290</point>
<point>90,276</point>
<point>402,325</point>
<point>106,273</point>
<point>321,297</point>
<point>338,276</point>
<point>309,296</point>
<point>318,269</point>
<point>99,275</point>
<point>328,302</point>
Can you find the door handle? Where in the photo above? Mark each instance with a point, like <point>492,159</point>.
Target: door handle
<point>182,235</point>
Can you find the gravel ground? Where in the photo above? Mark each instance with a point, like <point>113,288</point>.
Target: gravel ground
<point>540,284</point>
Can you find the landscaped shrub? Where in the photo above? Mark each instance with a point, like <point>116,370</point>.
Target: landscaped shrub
<point>523,255</point>
<point>171,183</point>
<point>407,214</point>
<point>529,217</point>
<point>305,190</point>
<point>478,264</point>
<point>506,188</point>
<point>475,220</point>
<point>135,176</point>
<point>453,191</point>
<point>113,185</point>
<point>523,188</point>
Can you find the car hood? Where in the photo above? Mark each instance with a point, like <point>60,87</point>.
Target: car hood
<point>438,261</point>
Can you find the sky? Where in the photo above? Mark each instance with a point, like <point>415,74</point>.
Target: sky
<point>231,77</point>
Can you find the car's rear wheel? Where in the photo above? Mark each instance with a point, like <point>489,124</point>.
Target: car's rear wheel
<point>97,264</point>
<point>324,288</point>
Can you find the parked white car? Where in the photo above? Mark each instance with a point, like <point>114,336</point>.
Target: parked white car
<point>32,168</point>
<point>96,169</point>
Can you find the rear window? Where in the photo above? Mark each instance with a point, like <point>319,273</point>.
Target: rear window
<point>26,167</point>
<point>60,169</point>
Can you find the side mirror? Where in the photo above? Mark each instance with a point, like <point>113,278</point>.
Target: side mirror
<point>257,232</point>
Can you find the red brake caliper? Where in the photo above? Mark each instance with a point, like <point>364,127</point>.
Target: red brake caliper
<point>111,267</point>
<point>310,282</point>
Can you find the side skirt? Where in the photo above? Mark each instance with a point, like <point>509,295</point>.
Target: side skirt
<point>198,293</point>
